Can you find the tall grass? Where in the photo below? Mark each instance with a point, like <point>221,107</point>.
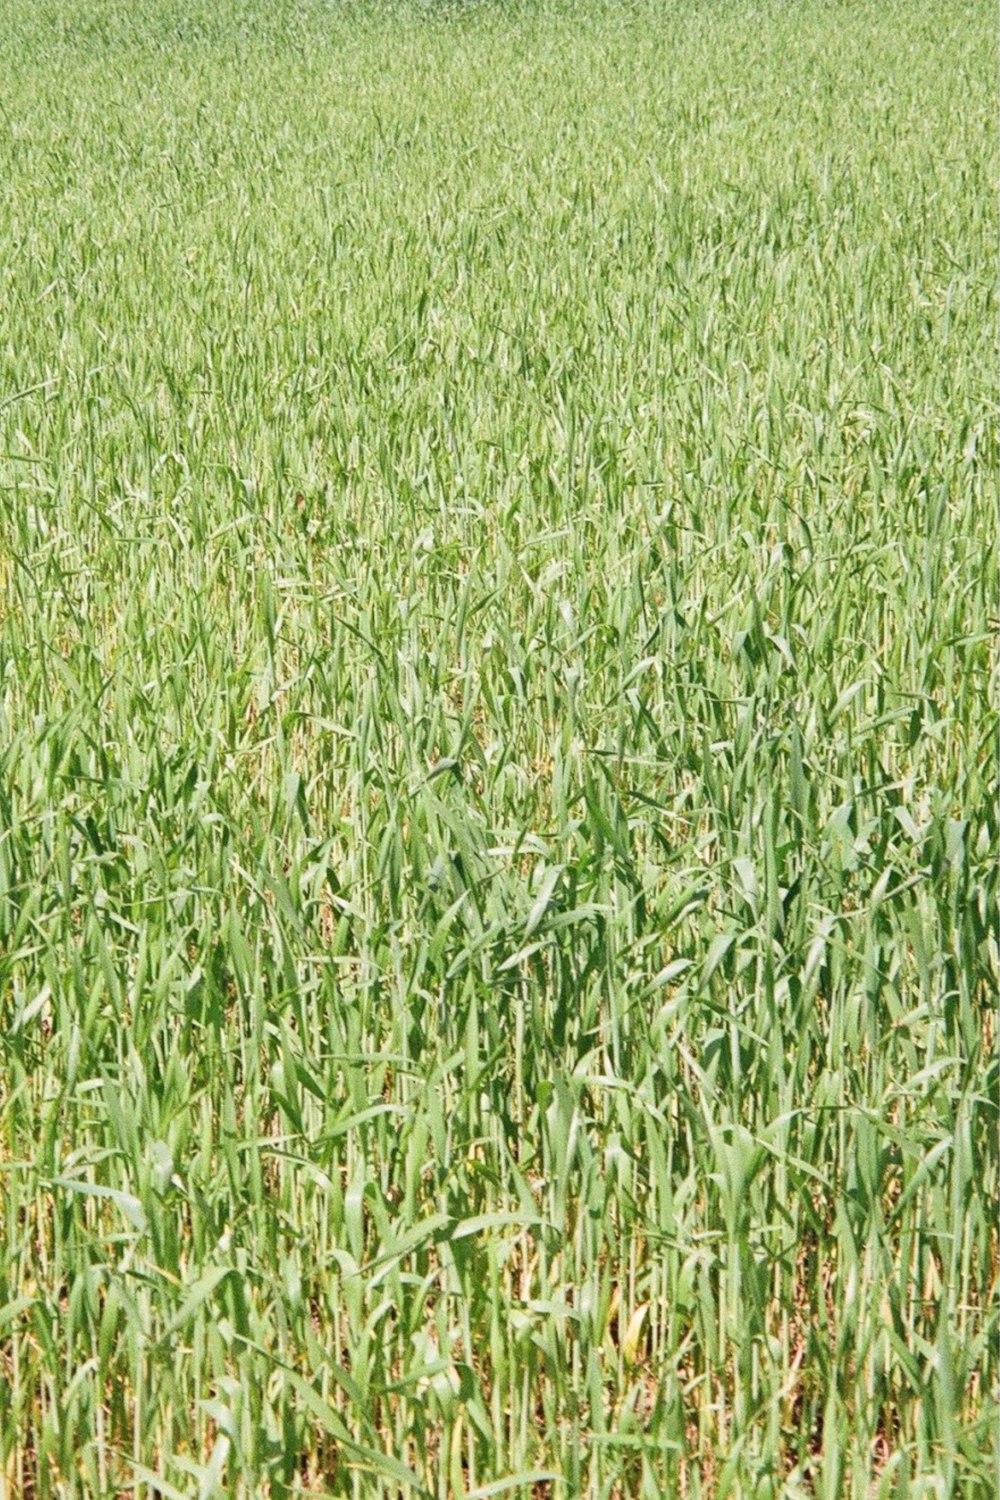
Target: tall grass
<point>498,825</point>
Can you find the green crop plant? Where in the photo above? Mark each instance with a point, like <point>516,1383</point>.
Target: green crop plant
<point>498,750</point>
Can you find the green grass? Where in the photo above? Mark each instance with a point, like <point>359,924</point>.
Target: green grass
<point>498,750</point>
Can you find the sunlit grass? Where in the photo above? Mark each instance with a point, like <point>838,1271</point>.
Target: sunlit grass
<point>498,827</point>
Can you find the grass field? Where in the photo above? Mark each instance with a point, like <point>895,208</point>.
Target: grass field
<point>498,750</point>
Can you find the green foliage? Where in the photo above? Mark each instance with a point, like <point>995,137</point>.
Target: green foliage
<point>498,777</point>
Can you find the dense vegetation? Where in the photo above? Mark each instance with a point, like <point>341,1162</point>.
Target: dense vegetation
<point>498,773</point>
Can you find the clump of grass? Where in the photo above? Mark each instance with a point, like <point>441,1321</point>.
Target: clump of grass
<point>498,823</point>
